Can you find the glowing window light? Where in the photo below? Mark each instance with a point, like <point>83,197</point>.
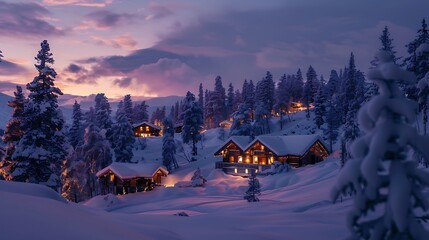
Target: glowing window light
<point>255,159</point>
<point>240,159</point>
<point>235,170</point>
<point>247,159</point>
<point>246,171</point>
<point>147,128</point>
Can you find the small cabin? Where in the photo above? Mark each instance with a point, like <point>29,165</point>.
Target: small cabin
<point>146,129</point>
<point>225,124</point>
<point>238,157</point>
<point>123,178</point>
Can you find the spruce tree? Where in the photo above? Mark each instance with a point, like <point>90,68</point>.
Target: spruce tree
<point>41,150</point>
<point>128,107</point>
<point>201,96</point>
<point>168,145</point>
<point>218,101</point>
<point>230,101</point>
<point>96,154</point>
<point>310,90</point>
<point>386,45</point>
<point>192,121</point>
<point>298,87</point>
<point>13,132</point>
<point>387,185</point>
<point>333,122</point>
<point>77,130</point>
<point>140,112</point>
<point>102,114</point>
<point>123,137</point>
<point>283,98</point>
<point>320,107</point>
<point>241,125</point>
<point>254,189</point>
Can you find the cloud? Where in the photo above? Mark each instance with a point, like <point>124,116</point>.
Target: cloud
<point>158,11</point>
<point>123,82</point>
<point>87,3</point>
<point>104,19</point>
<point>8,68</point>
<point>26,20</point>
<point>122,41</point>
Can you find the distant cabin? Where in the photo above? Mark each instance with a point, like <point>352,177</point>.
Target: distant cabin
<point>238,155</point>
<point>146,129</point>
<point>225,124</point>
<point>123,178</point>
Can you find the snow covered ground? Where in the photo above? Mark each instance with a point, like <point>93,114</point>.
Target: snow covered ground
<point>294,204</point>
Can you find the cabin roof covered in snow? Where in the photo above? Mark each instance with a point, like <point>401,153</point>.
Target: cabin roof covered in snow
<point>287,145</point>
<point>240,141</point>
<point>132,170</point>
<point>147,123</point>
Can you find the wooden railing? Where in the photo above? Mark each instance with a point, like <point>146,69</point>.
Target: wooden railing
<point>242,165</point>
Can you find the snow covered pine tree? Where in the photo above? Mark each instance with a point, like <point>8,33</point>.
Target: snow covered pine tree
<point>254,188</point>
<point>168,144</point>
<point>388,187</point>
<point>197,179</point>
<point>41,150</point>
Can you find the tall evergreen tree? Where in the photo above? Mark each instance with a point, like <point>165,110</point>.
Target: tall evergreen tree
<point>418,62</point>
<point>388,187</point>
<point>168,145</point>
<point>192,121</point>
<point>283,97</point>
<point>102,113</point>
<point>237,99</point>
<point>298,87</point>
<point>308,92</point>
<point>140,113</point>
<point>13,132</point>
<point>333,85</point>
<point>128,107</point>
<point>241,125</point>
<point>123,137</point>
<point>201,96</point>
<point>386,45</point>
<point>96,155</point>
<point>218,97</point>
<point>230,101</point>
<point>333,122</point>
<point>77,130</point>
<point>41,150</point>
<point>320,107</point>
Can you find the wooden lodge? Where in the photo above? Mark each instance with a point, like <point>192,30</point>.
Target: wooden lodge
<point>123,178</point>
<point>146,129</point>
<point>297,150</point>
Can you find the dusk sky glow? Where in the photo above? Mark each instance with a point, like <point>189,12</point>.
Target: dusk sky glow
<point>167,47</point>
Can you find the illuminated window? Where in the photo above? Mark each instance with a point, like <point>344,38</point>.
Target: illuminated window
<point>240,159</point>
<point>262,147</point>
<point>147,128</point>
<point>255,159</point>
<point>271,160</point>
<point>231,159</point>
<point>112,178</point>
<point>247,159</point>
<point>141,128</point>
<point>235,170</point>
<point>246,171</point>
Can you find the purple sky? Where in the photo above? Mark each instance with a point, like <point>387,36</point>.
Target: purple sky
<point>166,47</point>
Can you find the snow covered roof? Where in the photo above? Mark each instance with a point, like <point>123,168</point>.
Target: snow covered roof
<point>287,145</point>
<point>147,123</point>
<point>132,170</point>
<point>240,141</point>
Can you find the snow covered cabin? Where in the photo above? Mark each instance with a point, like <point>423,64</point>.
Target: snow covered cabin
<point>123,178</point>
<point>146,129</point>
<point>297,150</point>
